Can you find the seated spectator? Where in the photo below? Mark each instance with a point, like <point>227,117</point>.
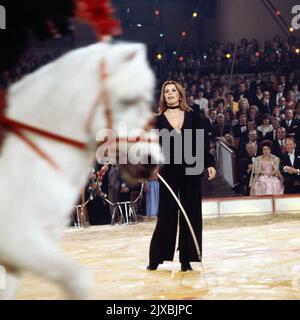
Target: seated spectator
<point>243,106</point>
<point>252,137</point>
<point>282,105</point>
<point>220,128</point>
<point>257,96</point>
<point>254,114</point>
<point>251,126</point>
<point>201,101</point>
<point>229,117</point>
<point>231,104</point>
<point>290,167</point>
<point>277,95</point>
<point>265,105</point>
<point>275,112</point>
<point>289,123</point>
<point>291,101</point>
<point>241,93</point>
<point>279,142</point>
<point>220,106</point>
<point>275,124</point>
<point>265,176</point>
<point>241,126</point>
<point>245,166</point>
<point>266,126</point>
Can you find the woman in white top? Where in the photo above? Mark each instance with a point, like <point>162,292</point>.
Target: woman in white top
<point>266,126</point>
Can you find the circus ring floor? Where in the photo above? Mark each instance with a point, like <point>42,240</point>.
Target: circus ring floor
<point>249,257</point>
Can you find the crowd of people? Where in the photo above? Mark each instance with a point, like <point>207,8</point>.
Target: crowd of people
<point>247,114</point>
<point>249,56</point>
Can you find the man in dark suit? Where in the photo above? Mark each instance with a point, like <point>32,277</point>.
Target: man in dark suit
<point>220,128</point>
<point>275,124</point>
<point>277,95</point>
<point>278,144</point>
<point>265,104</point>
<point>241,93</point>
<point>289,123</point>
<point>258,82</point>
<point>241,127</point>
<point>290,167</point>
<point>245,166</point>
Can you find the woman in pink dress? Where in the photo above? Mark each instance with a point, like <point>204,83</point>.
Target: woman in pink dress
<point>266,178</point>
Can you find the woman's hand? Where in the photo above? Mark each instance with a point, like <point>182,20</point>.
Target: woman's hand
<point>211,173</point>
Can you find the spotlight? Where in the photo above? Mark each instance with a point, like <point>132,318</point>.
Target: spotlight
<point>139,25</point>
<point>157,13</point>
<point>278,13</point>
<point>161,35</point>
<point>204,56</point>
<point>228,55</point>
<point>297,50</point>
<point>195,14</point>
<point>181,59</point>
<point>257,54</point>
<point>159,56</point>
<point>183,34</point>
<point>291,29</point>
<point>174,53</point>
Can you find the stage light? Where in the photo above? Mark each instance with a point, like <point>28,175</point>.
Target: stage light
<point>278,13</point>
<point>161,35</point>
<point>139,25</point>
<point>257,54</point>
<point>204,56</point>
<point>291,29</point>
<point>174,53</point>
<point>228,55</point>
<point>157,13</point>
<point>183,34</point>
<point>159,56</point>
<point>181,59</point>
<point>297,50</point>
<point>195,14</point>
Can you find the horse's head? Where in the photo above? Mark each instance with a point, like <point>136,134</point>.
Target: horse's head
<point>91,93</point>
<point>126,102</point>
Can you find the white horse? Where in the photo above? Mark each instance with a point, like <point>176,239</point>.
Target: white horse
<point>65,97</point>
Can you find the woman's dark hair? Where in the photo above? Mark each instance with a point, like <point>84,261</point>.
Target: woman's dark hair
<point>265,116</point>
<point>267,143</point>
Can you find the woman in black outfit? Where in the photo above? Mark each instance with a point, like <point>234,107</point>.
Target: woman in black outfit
<point>176,115</point>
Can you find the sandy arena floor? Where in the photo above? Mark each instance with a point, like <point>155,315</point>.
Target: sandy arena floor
<point>256,257</point>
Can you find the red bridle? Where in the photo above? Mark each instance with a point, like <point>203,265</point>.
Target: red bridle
<point>17,127</point>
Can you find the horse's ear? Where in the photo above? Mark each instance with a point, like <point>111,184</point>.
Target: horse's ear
<point>129,52</point>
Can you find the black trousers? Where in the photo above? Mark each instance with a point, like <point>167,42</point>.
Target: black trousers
<point>289,187</point>
<point>162,247</point>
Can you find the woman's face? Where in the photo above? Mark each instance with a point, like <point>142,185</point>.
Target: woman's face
<point>266,121</point>
<point>171,95</point>
<point>266,151</point>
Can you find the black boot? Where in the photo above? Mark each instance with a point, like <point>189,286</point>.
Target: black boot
<point>152,266</point>
<point>185,266</point>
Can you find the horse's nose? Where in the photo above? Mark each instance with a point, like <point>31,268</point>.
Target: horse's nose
<point>132,173</point>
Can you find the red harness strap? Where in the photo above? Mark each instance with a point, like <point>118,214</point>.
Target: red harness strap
<point>17,127</point>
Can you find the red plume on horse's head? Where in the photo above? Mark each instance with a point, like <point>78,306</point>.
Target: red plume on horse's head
<point>100,14</point>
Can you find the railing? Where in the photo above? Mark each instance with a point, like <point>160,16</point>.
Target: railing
<point>226,162</point>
